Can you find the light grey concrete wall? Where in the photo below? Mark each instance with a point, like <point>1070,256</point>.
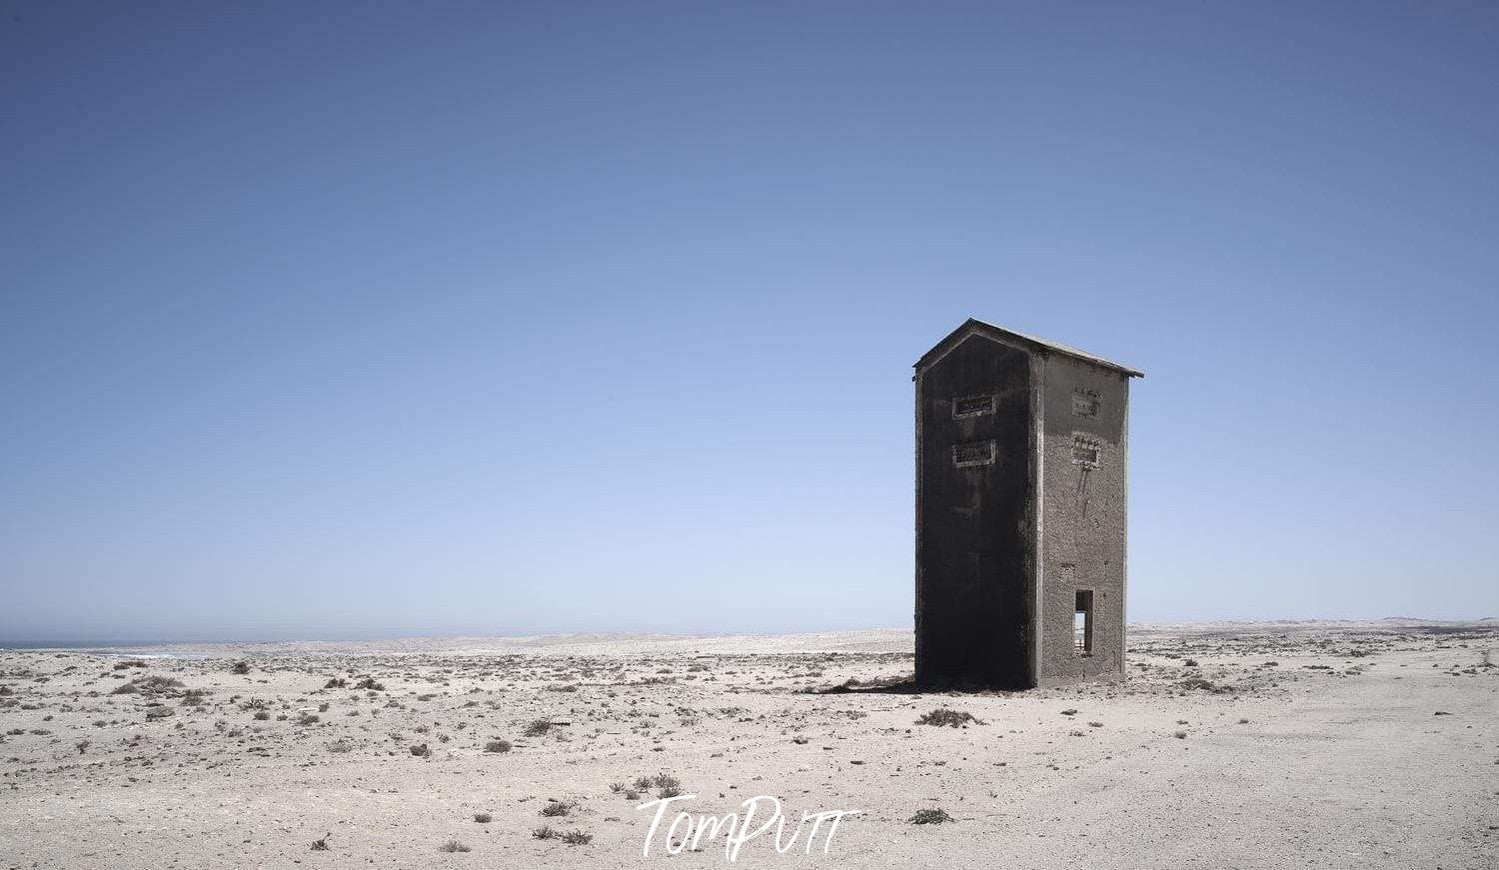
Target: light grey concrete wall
<point>1083,521</point>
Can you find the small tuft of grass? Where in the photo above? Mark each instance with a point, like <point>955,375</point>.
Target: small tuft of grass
<point>931,817</point>
<point>453,846</point>
<point>538,728</point>
<point>483,818</point>
<point>420,750</point>
<point>555,808</point>
<point>577,838</point>
<point>943,716</point>
<point>1180,735</point>
<point>321,844</point>
<point>240,668</point>
<point>545,832</point>
<point>497,746</point>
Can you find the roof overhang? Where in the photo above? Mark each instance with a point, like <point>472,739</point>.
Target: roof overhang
<point>1032,343</point>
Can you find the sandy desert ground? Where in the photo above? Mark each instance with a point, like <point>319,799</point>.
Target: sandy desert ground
<point>1228,746</point>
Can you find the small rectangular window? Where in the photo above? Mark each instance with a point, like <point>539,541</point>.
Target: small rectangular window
<point>1082,623</point>
<point>973,453</point>
<point>1085,450</point>
<point>973,406</point>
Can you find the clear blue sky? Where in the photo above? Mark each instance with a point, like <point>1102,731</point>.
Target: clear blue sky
<point>390,318</point>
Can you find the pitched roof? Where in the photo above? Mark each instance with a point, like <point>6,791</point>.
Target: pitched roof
<point>972,326</point>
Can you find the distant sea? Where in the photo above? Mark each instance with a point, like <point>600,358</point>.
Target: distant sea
<point>78,644</point>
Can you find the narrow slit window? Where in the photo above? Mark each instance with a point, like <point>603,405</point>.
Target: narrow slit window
<point>1082,623</point>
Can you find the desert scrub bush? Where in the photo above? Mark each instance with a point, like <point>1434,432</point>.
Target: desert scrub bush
<point>931,817</point>
<point>308,719</point>
<point>420,750</point>
<point>483,818</point>
<point>1180,735</point>
<point>577,838</point>
<point>942,716</point>
<point>453,846</point>
<point>538,728</point>
<point>340,746</point>
<point>160,712</point>
<point>154,684</point>
<point>669,785</point>
<point>371,684</point>
<point>261,715</point>
<point>240,668</point>
<point>321,845</point>
<point>82,746</point>
<point>336,683</point>
<point>555,808</point>
<point>497,746</point>
<point>545,832</point>
<point>666,780</point>
<point>129,663</point>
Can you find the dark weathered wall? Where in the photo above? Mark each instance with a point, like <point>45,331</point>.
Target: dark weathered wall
<point>1083,521</point>
<point>974,572</point>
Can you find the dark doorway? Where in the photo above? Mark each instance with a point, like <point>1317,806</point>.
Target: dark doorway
<point>1082,623</point>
